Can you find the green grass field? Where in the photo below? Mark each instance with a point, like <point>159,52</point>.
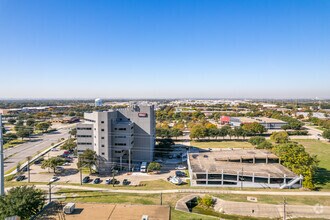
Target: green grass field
<point>322,150</point>
<point>221,144</point>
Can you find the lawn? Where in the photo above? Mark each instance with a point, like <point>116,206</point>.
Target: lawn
<point>322,150</point>
<point>221,144</point>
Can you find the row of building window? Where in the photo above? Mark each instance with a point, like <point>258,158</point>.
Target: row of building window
<point>120,144</point>
<point>84,128</point>
<point>84,143</point>
<point>84,136</point>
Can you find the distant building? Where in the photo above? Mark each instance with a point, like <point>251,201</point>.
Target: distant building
<point>240,167</point>
<point>225,120</point>
<point>121,137</point>
<point>98,102</point>
<point>268,123</point>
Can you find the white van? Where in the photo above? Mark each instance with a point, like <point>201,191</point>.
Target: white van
<point>143,168</point>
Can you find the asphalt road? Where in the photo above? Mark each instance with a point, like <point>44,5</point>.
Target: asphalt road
<point>37,143</point>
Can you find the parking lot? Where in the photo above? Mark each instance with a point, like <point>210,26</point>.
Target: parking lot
<point>70,173</point>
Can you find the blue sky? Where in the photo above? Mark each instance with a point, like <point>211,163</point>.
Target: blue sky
<point>164,49</point>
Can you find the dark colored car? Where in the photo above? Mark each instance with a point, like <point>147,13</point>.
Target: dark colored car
<point>97,181</point>
<point>39,161</point>
<point>86,179</point>
<point>180,173</point>
<point>126,182</point>
<point>20,178</point>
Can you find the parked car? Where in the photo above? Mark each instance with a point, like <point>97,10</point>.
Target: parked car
<point>159,161</point>
<point>54,149</point>
<point>181,167</point>
<point>112,181</point>
<point>180,173</point>
<point>54,178</point>
<point>176,180</point>
<point>86,179</point>
<point>66,164</point>
<point>20,178</point>
<point>39,161</point>
<point>126,182</point>
<point>97,181</point>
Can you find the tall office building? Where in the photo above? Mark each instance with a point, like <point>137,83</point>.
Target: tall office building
<point>122,137</point>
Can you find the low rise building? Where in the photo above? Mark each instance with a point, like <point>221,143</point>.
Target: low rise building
<point>240,167</point>
<point>268,123</point>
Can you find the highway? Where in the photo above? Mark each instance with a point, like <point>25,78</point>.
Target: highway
<point>38,143</point>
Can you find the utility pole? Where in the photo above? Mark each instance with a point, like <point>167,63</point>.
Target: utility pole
<point>50,192</point>
<point>284,208</point>
<point>161,198</point>
<point>28,167</point>
<point>2,173</point>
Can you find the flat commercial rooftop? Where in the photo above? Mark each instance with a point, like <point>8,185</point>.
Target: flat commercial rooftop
<point>88,211</point>
<point>215,162</point>
<point>259,120</point>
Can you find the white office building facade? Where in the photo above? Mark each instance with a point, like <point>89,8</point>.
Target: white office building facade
<point>121,138</point>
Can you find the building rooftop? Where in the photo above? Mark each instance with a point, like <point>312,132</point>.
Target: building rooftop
<point>259,120</point>
<point>87,211</point>
<point>228,161</point>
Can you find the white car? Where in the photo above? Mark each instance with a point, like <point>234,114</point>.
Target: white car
<point>53,179</point>
<point>176,180</point>
<point>66,164</point>
<point>181,167</point>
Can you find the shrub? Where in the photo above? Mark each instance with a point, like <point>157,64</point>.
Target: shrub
<point>154,166</point>
<point>206,201</point>
<point>265,145</point>
<point>280,137</point>
<point>256,140</point>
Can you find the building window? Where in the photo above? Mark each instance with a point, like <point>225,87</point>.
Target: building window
<point>102,122</point>
<point>102,153</point>
<point>102,145</point>
<point>102,129</point>
<point>122,129</point>
<point>102,137</point>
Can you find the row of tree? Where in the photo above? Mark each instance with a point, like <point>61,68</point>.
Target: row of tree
<point>210,130</point>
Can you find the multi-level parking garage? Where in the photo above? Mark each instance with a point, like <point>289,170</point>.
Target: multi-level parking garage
<point>240,168</point>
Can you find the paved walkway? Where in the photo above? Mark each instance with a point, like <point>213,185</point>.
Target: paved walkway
<point>270,210</point>
<point>198,191</point>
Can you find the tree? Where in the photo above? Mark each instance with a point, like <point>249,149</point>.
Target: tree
<point>256,140</point>
<point>69,145</point>
<point>43,126</point>
<point>197,131</point>
<point>164,146</point>
<point>280,137</point>
<point>87,159</point>
<point>175,132</point>
<point>254,128</point>
<point>265,145</point>
<point>11,121</point>
<point>223,132</point>
<point>294,157</point>
<point>239,132</point>
<point>30,122</point>
<point>24,132</point>
<point>52,163</point>
<point>73,132</point>
<point>23,201</point>
<point>326,134</point>
<point>154,166</point>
